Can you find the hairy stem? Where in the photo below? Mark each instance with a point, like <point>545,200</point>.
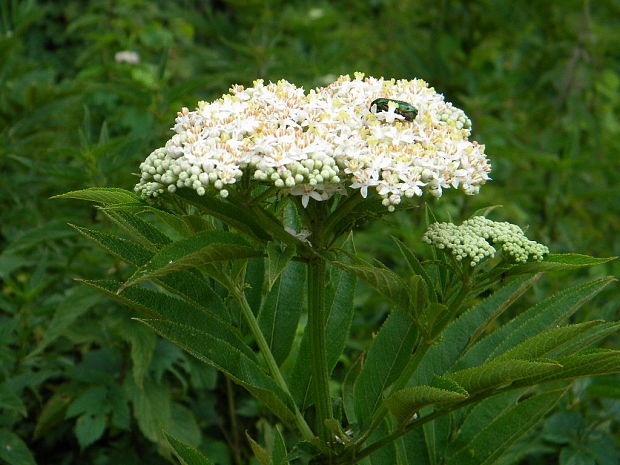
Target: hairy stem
<point>318,355</point>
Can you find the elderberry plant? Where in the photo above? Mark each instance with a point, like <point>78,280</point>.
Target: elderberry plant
<point>243,221</point>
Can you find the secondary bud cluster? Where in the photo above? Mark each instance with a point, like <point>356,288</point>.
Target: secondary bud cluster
<point>474,238</point>
<point>314,145</point>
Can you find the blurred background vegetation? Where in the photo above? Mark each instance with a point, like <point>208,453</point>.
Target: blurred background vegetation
<point>80,383</point>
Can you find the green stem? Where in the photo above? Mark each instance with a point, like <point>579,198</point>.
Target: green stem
<point>235,446</point>
<point>272,365</point>
<point>318,354</point>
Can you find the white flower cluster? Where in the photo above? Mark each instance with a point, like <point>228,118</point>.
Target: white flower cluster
<point>314,145</point>
<point>474,237</point>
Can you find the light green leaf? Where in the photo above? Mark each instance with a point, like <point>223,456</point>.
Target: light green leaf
<point>13,450</point>
<point>495,374</point>
<point>223,356</point>
<point>187,454</point>
<point>277,260</point>
<point>260,453</point>
<point>281,310</point>
<point>201,249</point>
<point>496,437</point>
<point>279,452</point>
<point>405,403</point>
<point>105,195</point>
<point>548,313</point>
<point>158,305</point>
<point>54,410</point>
<point>598,362</point>
<point>543,344</point>
<point>387,357</point>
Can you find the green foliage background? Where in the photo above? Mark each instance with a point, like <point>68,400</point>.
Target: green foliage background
<point>79,381</point>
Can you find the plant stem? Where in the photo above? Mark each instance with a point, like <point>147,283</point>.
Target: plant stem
<point>318,355</point>
<point>236,447</point>
<point>272,365</point>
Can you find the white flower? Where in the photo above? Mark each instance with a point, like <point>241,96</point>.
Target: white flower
<point>127,56</point>
<point>474,237</point>
<point>317,144</point>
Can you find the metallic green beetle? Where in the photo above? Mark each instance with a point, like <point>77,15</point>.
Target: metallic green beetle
<point>408,111</point>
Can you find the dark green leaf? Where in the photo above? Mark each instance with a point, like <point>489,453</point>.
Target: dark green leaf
<point>551,312</point>
<point>153,304</point>
<point>281,310</point>
<point>456,337</point>
<point>201,249</point>
<point>496,437</point>
<point>128,251</point>
<point>228,359</point>
<point>277,260</point>
<point>187,454</point>
<point>13,450</point>
<point>88,428</point>
<point>387,357</point>
<point>558,262</point>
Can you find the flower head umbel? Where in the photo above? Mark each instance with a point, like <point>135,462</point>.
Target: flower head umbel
<point>317,144</point>
<point>474,239</point>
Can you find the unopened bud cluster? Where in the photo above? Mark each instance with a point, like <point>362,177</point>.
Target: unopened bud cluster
<point>316,144</point>
<point>475,239</point>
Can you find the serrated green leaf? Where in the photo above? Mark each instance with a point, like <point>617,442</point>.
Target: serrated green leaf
<point>187,454</point>
<point>496,437</point>
<point>543,344</point>
<point>277,260</point>
<point>221,355</point>
<point>226,212</point>
<point>588,338</point>
<point>416,268</point>
<point>105,195</point>
<point>13,450</point>
<point>158,305</point>
<point>558,262</point>
<point>127,251</point>
<point>88,428</point>
<point>384,281</point>
<point>457,335</point>
<point>548,313</point>
<point>387,357</point>
<point>144,232</point>
<point>599,362</point>
<point>201,249</point>
<point>281,310</point>
<point>404,404</point>
<point>348,384</point>
<point>495,374</point>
